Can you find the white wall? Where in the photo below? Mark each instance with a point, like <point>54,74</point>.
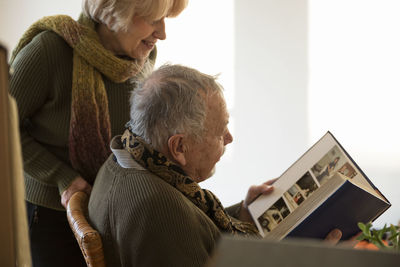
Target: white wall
<point>278,77</point>
<point>270,111</point>
<point>355,87</point>
<point>17,15</point>
<point>202,43</point>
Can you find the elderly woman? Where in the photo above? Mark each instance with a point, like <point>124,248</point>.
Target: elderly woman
<point>72,81</point>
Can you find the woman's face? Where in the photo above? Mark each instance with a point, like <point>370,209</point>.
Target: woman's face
<point>140,38</point>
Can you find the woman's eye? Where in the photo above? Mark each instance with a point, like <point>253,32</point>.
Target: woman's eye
<point>154,22</point>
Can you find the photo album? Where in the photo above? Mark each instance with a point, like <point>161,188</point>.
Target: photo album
<point>324,189</point>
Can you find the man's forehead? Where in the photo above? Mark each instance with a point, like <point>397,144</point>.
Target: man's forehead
<point>217,114</point>
<point>216,102</point>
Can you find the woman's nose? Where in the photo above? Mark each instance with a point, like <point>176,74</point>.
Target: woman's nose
<point>159,30</point>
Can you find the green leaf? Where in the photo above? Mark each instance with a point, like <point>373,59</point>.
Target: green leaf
<point>365,229</point>
<point>393,229</point>
<point>380,233</point>
<point>375,236</point>
<point>361,226</point>
<point>378,239</point>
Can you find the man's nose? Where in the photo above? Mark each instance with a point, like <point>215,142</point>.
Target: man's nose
<point>228,138</point>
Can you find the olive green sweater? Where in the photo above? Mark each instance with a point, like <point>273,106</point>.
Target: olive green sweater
<point>41,84</point>
<point>144,221</point>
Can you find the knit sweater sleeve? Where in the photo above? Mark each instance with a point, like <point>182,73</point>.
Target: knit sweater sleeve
<point>30,84</point>
<point>234,210</point>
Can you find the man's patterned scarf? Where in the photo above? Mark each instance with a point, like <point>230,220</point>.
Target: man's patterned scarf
<point>90,129</point>
<point>171,173</point>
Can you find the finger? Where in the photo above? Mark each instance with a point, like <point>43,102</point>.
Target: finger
<point>64,200</point>
<point>333,237</point>
<point>88,190</point>
<point>270,182</point>
<point>256,190</point>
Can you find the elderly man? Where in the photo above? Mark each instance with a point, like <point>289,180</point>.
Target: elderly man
<point>146,202</point>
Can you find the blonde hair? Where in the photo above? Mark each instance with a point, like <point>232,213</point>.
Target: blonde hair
<point>117,14</point>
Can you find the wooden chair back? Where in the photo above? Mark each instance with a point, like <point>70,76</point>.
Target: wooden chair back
<point>88,238</point>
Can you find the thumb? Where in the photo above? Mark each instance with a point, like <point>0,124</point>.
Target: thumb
<point>334,236</point>
<point>255,191</point>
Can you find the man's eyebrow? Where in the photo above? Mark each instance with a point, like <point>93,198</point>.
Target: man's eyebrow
<point>224,125</point>
<point>225,122</point>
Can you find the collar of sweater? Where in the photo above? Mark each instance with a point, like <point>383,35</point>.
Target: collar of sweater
<point>123,157</point>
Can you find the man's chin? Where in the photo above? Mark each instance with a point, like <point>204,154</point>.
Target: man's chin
<point>212,172</point>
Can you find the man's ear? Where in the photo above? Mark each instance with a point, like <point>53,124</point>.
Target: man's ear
<point>177,148</point>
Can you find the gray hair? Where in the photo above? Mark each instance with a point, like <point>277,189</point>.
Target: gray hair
<point>117,14</point>
<point>172,100</point>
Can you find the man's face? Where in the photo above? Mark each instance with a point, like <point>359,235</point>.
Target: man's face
<point>201,157</point>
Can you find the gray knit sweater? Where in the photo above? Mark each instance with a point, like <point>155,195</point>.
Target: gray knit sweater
<point>41,84</point>
<point>144,221</point>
